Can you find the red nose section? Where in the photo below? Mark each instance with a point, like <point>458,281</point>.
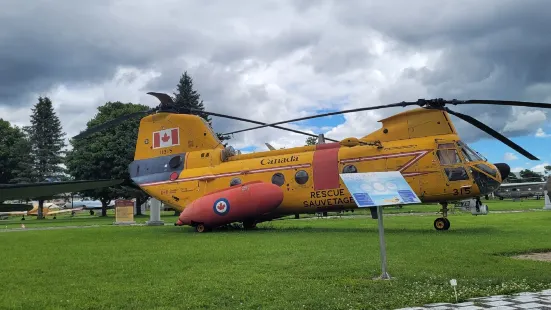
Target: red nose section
<point>233,204</point>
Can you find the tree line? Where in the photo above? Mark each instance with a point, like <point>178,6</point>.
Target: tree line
<point>37,153</point>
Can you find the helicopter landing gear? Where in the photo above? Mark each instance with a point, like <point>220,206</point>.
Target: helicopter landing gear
<point>442,223</point>
<point>201,228</point>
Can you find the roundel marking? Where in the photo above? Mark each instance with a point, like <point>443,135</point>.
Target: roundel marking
<point>221,206</point>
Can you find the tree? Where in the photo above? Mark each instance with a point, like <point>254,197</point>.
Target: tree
<point>547,170</point>
<point>107,154</point>
<point>311,141</point>
<point>15,162</point>
<point>47,143</point>
<point>187,98</point>
<point>531,176</point>
<point>512,178</point>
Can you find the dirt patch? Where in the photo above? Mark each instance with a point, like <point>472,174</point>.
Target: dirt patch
<point>544,256</point>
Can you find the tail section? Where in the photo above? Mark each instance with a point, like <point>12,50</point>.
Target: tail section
<point>165,134</point>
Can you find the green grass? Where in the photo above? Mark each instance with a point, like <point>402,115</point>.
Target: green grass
<point>287,264</point>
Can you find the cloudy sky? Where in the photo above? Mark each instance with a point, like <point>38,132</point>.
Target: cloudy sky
<point>275,60</point>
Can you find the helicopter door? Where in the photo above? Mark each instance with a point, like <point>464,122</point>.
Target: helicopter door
<point>454,170</point>
<point>326,166</point>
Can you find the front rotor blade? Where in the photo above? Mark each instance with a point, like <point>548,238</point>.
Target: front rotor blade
<point>256,122</point>
<point>401,104</point>
<point>507,103</point>
<point>493,133</point>
<point>111,123</point>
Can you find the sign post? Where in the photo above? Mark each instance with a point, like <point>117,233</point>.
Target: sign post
<point>378,189</point>
<point>124,212</point>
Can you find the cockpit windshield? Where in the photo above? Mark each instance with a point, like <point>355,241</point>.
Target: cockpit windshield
<point>470,154</point>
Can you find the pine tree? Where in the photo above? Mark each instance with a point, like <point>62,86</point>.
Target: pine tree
<point>187,98</point>
<point>47,143</point>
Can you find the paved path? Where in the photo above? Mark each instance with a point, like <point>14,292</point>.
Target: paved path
<point>536,300</point>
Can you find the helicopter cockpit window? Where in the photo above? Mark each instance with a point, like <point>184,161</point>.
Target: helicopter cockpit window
<point>456,174</point>
<point>448,156</point>
<point>469,154</point>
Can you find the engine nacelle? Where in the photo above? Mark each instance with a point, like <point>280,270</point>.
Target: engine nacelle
<point>237,203</point>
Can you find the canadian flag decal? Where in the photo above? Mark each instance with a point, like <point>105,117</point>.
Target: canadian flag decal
<point>166,138</point>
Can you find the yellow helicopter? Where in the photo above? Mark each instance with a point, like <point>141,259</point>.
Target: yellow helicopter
<point>180,161</point>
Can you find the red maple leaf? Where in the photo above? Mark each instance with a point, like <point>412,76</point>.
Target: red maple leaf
<point>165,138</point>
<point>220,206</point>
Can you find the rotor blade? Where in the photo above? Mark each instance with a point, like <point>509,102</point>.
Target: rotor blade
<point>506,102</point>
<point>493,133</point>
<point>256,122</point>
<point>163,98</point>
<point>111,123</point>
<point>166,100</point>
<point>392,105</point>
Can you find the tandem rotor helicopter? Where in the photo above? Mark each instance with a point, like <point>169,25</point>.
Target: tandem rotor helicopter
<point>180,161</point>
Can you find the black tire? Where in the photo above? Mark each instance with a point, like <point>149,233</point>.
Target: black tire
<point>441,224</point>
<point>201,228</point>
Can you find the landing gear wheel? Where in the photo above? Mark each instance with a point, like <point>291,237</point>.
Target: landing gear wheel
<point>442,223</point>
<point>201,228</point>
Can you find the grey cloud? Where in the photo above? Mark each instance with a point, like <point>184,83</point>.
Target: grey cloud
<point>490,49</point>
<point>72,42</point>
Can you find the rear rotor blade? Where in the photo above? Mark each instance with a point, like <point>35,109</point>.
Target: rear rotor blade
<point>493,133</point>
<point>256,122</point>
<point>401,104</point>
<point>111,123</point>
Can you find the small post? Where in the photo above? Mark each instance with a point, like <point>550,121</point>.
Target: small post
<point>453,283</point>
<point>154,213</point>
<point>382,244</point>
<point>547,205</point>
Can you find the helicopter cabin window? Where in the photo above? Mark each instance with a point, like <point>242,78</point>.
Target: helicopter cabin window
<point>235,181</point>
<point>447,154</point>
<point>456,173</point>
<point>278,179</point>
<point>349,169</point>
<point>301,177</point>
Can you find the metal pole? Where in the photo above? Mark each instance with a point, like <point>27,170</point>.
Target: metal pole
<point>382,246</point>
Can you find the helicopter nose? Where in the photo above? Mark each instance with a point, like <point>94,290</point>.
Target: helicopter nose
<point>504,170</point>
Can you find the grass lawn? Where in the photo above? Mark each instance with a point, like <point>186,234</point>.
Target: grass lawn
<point>288,264</point>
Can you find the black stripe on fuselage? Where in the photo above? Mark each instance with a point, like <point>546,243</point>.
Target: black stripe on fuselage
<point>156,169</point>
